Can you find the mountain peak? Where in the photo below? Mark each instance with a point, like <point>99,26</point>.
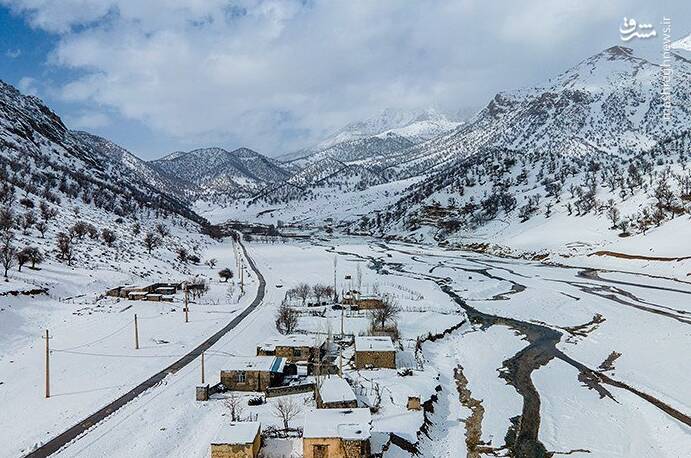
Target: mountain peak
<point>618,51</point>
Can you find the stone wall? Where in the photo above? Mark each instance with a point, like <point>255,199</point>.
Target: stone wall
<point>386,359</point>
<point>254,381</point>
<point>335,448</point>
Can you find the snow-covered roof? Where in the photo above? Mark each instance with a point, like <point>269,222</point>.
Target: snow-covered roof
<point>336,389</point>
<point>243,432</point>
<point>374,343</point>
<point>254,363</point>
<point>353,424</point>
<point>293,340</point>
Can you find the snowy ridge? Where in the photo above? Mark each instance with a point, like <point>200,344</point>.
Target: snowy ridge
<point>209,172</point>
<point>43,154</point>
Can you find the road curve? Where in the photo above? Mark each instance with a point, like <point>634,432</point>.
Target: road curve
<point>58,442</point>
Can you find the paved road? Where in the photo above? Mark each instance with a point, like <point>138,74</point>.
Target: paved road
<point>83,426</point>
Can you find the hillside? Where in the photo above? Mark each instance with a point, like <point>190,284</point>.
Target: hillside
<point>214,173</point>
<point>608,103</point>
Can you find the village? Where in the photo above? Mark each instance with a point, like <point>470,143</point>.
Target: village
<point>336,377</point>
<point>330,375</point>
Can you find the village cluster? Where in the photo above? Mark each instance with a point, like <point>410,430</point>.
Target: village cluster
<point>334,376</point>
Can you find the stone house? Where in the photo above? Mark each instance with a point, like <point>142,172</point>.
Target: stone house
<point>369,302</point>
<point>295,348</point>
<point>374,351</point>
<point>237,440</point>
<point>337,433</point>
<point>335,393</point>
<point>253,373</point>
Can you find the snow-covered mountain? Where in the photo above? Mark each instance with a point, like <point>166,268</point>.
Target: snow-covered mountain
<point>40,155</point>
<point>326,178</point>
<point>683,43</point>
<point>414,126</point>
<point>208,172</point>
<point>145,172</point>
<point>609,103</point>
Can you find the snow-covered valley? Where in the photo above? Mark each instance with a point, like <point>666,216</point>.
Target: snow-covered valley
<point>586,405</point>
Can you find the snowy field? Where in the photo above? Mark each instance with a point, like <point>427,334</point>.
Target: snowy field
<point>596,316</point>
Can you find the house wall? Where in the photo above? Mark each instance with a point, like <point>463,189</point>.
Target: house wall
<point>385,359</point>
<point>234,451</point>
<point>307,354</point>
<point>336,405</point>
<point>254,381</point>
<point>369,304</point>
<point>337,448</point>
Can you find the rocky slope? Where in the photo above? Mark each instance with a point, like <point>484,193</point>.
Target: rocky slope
<point>213,172</point>
<point>40,156</point>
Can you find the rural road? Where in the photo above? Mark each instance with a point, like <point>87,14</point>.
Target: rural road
<point>55,444</point>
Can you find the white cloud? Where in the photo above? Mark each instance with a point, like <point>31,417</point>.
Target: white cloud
<point>13,53</point>
<point>87,120</point>
<point>275,75</point>
<point>28,86</point>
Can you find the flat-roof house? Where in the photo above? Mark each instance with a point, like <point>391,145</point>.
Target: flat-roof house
<point>369,302</point>
<point>374,351</point>
<point>337,433</point>
<point>237,440</point>
<point>294,348</point>
<point>252,373</point>
<point>335,393</point>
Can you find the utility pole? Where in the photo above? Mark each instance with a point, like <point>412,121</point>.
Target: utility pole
<point>335,266</point>
<point>136,333</point>
<point>202,368</point>
<point>342,313</point>
<point>242,275</point>
<point>187,304</point>
<point>47,337</point>
<point>340,361</point>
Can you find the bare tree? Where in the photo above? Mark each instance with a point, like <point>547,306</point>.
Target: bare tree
<point>22,258</point>
<point>286,319</point>
<point>386,313</point>
<point>613,213</point>
<point>151,241</point>
<point>27,221</point>
<point>6,219</point>
<point>35,255</point>
<point>321,291</point>
<point>108,236</point>
<point>162,230</point>
<point>65,247</point>
<point>234,405</point>
<point>48,213</point>
<point>182,253</point>
<point>42,228</point>
<point>303,291</point>
<point>225,274</point>
<point>7,253</point>
<point>286,409</point>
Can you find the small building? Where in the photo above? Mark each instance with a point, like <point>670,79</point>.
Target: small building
<point>137,295</point>
<point>252,373</point>
<point>337,433</point>
<point>237,440</point>
<point>154,297</point>
<point>335,393</point>
<point>374,351</point>
<point>369,302</point>
<point>294,348</point>
<point>166,290</point>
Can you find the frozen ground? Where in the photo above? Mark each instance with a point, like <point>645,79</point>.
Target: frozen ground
<point>636,405</point>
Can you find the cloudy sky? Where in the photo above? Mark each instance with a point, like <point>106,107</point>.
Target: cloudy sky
<point>163,75</point>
